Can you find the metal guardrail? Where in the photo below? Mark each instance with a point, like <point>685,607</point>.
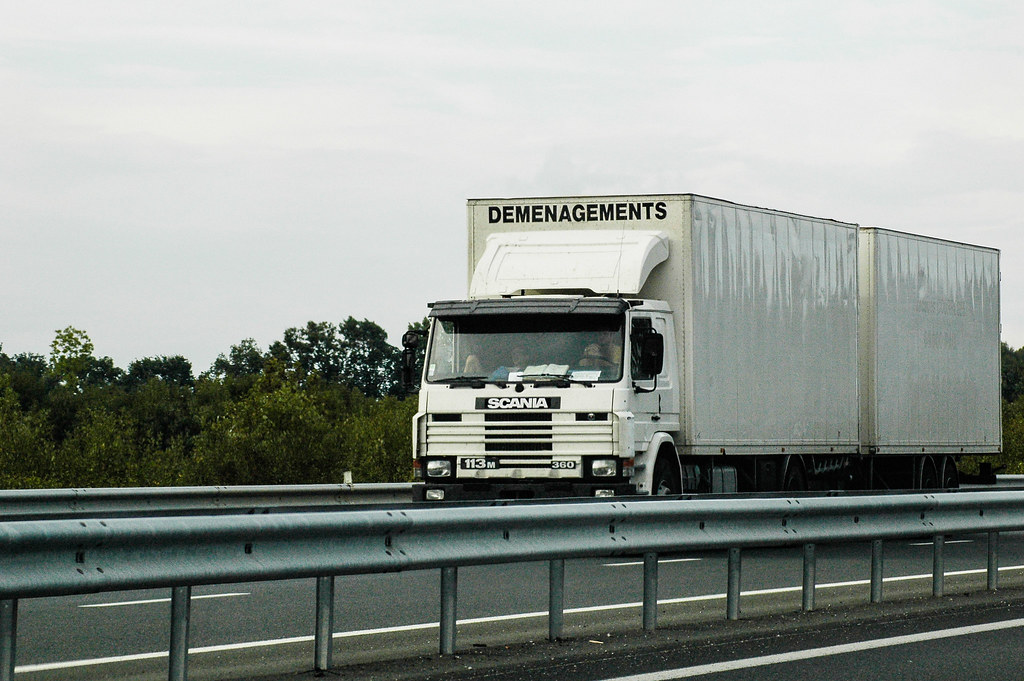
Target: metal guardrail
<point>75,556</point>
<point>38,504</point>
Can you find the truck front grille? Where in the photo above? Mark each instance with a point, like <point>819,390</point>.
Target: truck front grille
<point>561,434</point>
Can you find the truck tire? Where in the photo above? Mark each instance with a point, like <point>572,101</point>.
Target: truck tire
<point>666,477</point>
<point>950,477</point>
<point>927,474</point>
<point>794,479</point>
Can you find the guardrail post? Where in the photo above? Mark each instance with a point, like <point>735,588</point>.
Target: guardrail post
<point>449,602</point>
<point>993,561</point>
<point>732,597</point>
<point>810,567</point>
<point>181,606</point>
<point>556,598</point>
<point>938,565</point>
<point>324,623</point>
<point>877,566</point>
<point>650,591</point>
<point>8,638</point>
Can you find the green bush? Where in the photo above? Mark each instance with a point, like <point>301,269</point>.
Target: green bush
<point>378,441</point>
<point>275,435</point>
<point>99,449</point>
<point>25,447</point>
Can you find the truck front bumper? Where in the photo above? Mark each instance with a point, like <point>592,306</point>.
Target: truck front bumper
<point>480,491</point>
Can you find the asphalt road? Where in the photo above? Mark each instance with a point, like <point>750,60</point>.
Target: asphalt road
<point>247,630</point>
<point>952,640</point>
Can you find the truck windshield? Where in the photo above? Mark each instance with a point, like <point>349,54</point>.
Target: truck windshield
<point>515,348</point>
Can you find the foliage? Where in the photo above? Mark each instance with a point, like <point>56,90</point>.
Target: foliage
<point>1013,372</point>
<point>25,448</point>
<point>176,370</point>
<point>97,449</point>
<point>275,435</point>
<point>1013,436</point>
<point>313,350</point>
<point>244,359</point>
<point>324,400</point>
<point>352,353</point>
<point>377,444</point>
<point>368,362</point>
<point>1011,460</point>
<point>70,355</point>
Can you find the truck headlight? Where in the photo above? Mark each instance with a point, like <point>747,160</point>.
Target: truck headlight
<point>439,468</point>
<point>604,468</point>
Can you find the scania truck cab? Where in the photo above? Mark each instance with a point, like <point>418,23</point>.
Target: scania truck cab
<point>536,391</point>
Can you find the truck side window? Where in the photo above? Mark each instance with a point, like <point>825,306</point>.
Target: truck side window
<point>640,328</point>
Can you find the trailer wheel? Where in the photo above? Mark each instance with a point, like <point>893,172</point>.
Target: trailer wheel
<point>927,475</point>
<point>795,479</point>
<point>666,477</point>
<point>950,476</point>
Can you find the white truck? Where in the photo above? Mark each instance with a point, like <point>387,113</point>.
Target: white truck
<point>666,344</point>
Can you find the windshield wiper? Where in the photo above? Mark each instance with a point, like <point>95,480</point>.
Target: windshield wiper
<point>557,380</point>
<point>463,381</point>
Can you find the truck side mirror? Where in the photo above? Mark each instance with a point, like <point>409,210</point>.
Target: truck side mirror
<point>410,343</point>
<point>652,353</point>
<point>411,340</point>
<point>408,367</point>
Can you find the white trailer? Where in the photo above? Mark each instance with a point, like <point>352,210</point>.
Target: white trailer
<point>929,355</point>
<point>735,355</point>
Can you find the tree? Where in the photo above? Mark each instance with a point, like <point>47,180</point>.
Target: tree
<point>353,353</point>
<point>378,441</point>
<point>30,378</point>
<point>98,452</point>
<point>314,349</point>
<point>236,373</point>
<point>176,370</point>
<point>1013,372</point>
<point>1013,436</point>
<point>275,434</point>
<point>368,362</point>
<point>162,412</point>
<point>244,359</point>
<point>101,372</point>
<point>25,446</point>
<point>71,355</point>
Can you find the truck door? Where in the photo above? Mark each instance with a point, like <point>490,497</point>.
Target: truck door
<point>655,407</point>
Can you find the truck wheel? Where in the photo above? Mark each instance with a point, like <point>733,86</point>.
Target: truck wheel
<point>927,475</point>
<point>666,478</point>
<point>795,479</point>
<point>950,476</point>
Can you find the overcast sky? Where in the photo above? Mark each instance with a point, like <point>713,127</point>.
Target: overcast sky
<point>177,177</point>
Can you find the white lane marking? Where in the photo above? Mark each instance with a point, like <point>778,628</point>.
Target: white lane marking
<point>660,562</point>
<point>946,543</point>
<point>827,651</point>
<point>118,604</point>
<point>48,666</point>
